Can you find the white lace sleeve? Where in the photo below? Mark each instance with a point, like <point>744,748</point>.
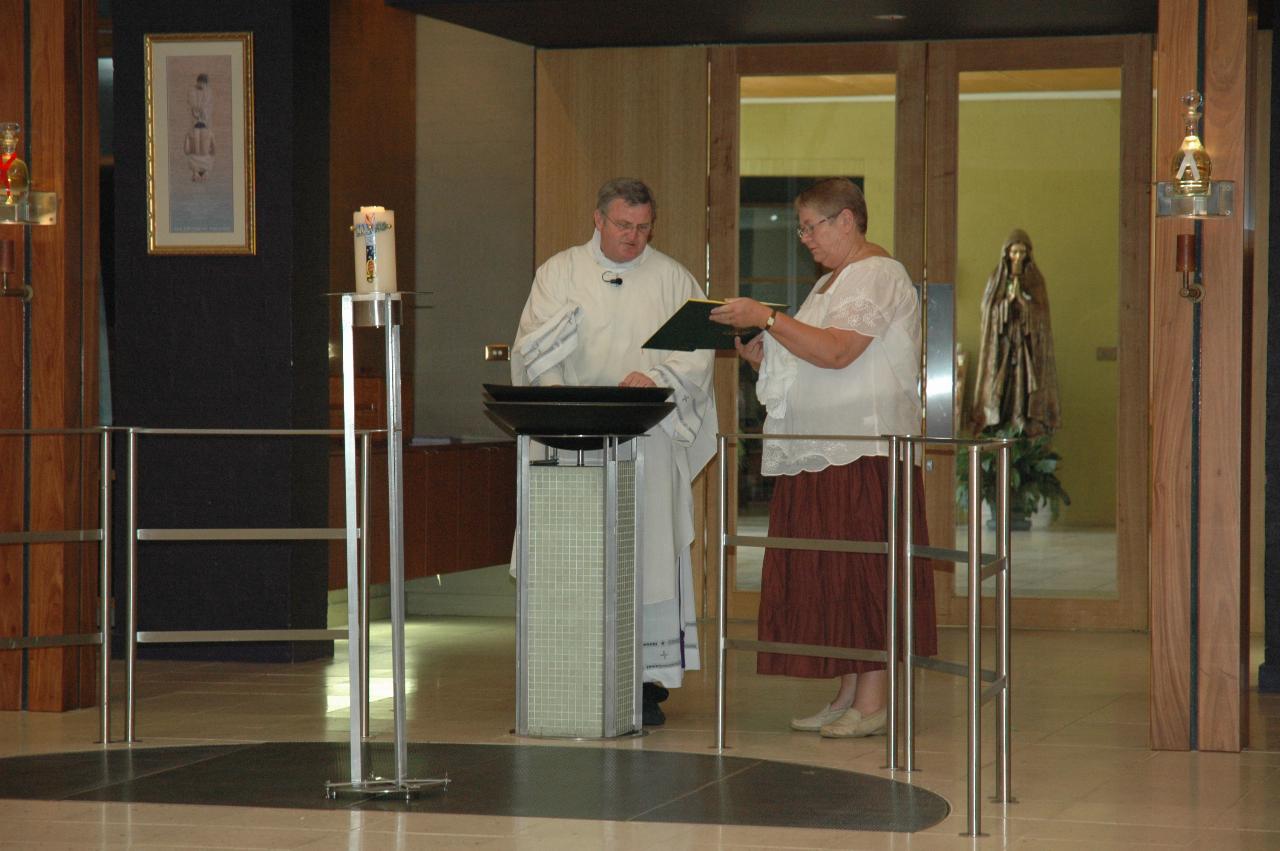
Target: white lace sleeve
<point>858,313</point>
<point>777,373</point>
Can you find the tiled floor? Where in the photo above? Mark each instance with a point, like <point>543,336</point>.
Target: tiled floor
<point>1082,771</point>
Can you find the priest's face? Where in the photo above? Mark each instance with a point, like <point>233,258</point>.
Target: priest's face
<point>624,230</point>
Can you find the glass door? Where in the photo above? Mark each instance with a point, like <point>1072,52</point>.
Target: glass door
<point>1044,178</point>
<point>781,119</point>
<point>957,145</point>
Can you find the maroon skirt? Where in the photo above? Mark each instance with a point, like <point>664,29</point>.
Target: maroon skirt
<point>837,599</point>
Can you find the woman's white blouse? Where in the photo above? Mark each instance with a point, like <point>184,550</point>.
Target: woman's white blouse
<point>877,394</point>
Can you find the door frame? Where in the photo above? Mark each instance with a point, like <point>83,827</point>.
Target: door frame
<point>726,66</point>
<point>1132,54</point>
<point>925,211</point>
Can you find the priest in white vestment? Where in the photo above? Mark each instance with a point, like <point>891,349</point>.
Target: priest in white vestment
<point>590,310</point>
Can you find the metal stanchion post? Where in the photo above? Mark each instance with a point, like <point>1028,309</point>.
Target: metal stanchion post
<point>637,588</point>
<point>975,645</point>
<point>609,587</point>
<point>383,311</point>
<point>908,607</point>
<point>131,591</point>
<point>395,514</point>
<point>722,642</point>
<point>355,644</point>
<point>522,583</point>
<point>891,607</point>
<point>1003,611</point>
<point>365,451</point>
<point>104,588</point>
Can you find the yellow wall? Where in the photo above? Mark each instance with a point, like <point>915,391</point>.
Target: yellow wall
<point>826,139</point>
<point>1052,168</point>
<point>1049,167</point>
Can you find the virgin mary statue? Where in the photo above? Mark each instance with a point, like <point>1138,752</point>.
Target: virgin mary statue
<point>1017,380</point>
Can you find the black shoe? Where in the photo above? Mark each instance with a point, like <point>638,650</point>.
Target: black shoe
<point>655,693</point>
<point>652,714</point>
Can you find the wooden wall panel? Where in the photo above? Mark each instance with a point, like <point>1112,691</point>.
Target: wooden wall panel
<point>90,275</point>
<point>11,381</point>
<point>58,145</point>
<point>1132,424</point>
<point>722,246</point>
<point>910,132</point>
<point>941,158</point>
<point>1260,193</point>
<point>459,509</point>
<point>367,167</point>
<point>1226,346</point>
<point>834,58</point>
<point>1033,53</point>
<point>1171,315</point>
<point>635,112</point>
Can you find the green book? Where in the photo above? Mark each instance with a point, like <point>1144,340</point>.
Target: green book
<point>691,328</point>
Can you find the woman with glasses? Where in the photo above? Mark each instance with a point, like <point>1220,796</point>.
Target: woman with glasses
<point>847,363</point>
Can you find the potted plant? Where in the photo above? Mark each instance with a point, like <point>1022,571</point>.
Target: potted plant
<point>1033,479</point>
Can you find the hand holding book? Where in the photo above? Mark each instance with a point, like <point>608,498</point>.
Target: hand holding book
<point>698,324</point>
<point>744,313</point>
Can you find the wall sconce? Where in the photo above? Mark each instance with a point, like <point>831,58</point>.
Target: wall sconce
<point>6,269</point>
<point>1192,194</point>
<point>1187,267</point>
<point>19,205</point>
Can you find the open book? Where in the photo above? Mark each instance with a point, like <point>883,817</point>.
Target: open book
<point>691,328</point>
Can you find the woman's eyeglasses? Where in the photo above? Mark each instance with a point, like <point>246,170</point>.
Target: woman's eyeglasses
<point>807,230</point>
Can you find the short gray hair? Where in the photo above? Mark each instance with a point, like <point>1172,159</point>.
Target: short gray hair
<point>834,195</point>
<point>633,192</point>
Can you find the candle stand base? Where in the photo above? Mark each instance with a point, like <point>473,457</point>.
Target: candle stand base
<point>410,789</point>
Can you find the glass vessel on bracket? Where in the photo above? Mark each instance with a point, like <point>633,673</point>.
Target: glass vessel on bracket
<point>1191,166</point>
<point>14,179</point>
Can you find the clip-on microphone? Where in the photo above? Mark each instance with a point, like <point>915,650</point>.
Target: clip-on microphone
<point>616,280</point>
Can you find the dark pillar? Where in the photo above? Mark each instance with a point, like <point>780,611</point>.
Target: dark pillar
<point>219,341</point>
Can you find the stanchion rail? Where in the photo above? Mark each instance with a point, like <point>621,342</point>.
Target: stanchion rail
<point>136,533</point>
<point>102,536</point>
<point>900,563</point>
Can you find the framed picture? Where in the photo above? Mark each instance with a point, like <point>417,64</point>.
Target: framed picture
<point>200,179</point>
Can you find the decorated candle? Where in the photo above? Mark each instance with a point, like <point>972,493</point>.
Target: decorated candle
<point>375,249</point>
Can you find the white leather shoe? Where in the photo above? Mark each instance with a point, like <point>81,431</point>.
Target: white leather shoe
<point>825,716</point>
<point>853,725</point>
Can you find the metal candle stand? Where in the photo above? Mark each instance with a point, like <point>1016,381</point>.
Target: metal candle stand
<point>379,310</point>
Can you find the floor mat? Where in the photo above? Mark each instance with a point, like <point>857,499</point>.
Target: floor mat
<point>500,780</point>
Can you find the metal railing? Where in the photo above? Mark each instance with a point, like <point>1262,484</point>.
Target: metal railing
<point>137,533</point>
<point>901,557</point>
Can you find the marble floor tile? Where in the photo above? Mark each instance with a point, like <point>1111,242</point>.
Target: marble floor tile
<point>1083,773</point>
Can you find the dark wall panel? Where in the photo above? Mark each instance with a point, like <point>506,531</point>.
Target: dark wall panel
<point>229,342</point>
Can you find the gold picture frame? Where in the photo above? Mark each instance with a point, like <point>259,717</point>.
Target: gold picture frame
<point>200,158</point>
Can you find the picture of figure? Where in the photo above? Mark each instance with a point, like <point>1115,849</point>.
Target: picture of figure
<point>199,145</point>
<point>202,151</point>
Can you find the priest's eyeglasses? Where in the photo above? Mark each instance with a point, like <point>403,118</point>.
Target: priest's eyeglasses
<point>627,227</point>
<point>807,230</point>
